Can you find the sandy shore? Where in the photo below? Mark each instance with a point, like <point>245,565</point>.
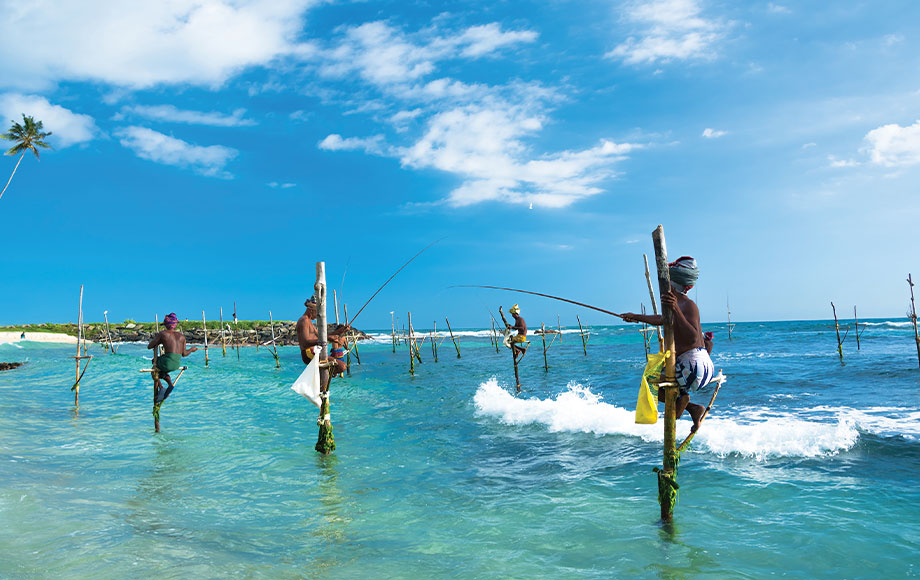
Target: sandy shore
<point>6,337</point>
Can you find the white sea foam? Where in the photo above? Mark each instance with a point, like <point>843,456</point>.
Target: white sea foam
<point>889,324</point>
<point>750,434</point>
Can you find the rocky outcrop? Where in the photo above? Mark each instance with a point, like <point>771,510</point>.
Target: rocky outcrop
<point>284,334</point>
<point>8,366</point>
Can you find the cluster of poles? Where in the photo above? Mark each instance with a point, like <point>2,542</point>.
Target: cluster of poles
<point>857,332</point>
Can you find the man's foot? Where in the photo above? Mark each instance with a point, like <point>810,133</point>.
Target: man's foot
<point>161,395</point>
<point>696,413</point>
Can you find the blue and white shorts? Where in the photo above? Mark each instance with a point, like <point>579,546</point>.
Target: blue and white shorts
<point>694,370</point>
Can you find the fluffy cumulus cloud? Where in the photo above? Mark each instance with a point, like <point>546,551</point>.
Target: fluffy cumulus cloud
<point>709,133</point>
<point>67,128</point>
<point>159,148</point>
<point>894,145</point>
<point>171,114</point>
<point>141,44</point>
<point>367,144</point>
<point>666,30</point>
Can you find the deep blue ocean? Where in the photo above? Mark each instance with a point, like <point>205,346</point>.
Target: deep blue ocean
<point>808,466</point>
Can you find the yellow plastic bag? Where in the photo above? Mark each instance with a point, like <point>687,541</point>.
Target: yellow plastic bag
<point>647,405</point>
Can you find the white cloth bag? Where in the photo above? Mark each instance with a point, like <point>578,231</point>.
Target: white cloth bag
<point>307,384</point>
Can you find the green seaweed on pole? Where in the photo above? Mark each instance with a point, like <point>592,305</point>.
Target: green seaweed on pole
<point>325,441</point>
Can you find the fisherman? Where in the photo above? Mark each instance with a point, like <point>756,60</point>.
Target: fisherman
<point>694,368</point>
<point>308,337</point>
<point>173,343</point>
<point>518,342</point>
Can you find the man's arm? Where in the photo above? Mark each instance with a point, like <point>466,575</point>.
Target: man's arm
<point>156,341</point>
<point>188,351</point>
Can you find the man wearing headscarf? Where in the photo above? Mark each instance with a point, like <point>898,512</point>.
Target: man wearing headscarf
<point>308,337</point>
<point>173,343</point>
<point>694,368</point>
<point>519,341</point>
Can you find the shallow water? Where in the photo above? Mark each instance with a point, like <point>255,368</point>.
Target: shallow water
<point>806,468</point>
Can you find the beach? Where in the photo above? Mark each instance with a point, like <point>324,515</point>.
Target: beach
<point>52,337</point>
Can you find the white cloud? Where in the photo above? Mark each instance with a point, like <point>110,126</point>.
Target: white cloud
<point>668,30</point>
<point>67,128</point>
<point>713,133</point>
<point>837,163</point>
<point>171,114</point>
<point>276,185</point>
<point>778,8</point>
<point>142,44</point>
<point>893,145</point>
<point>334,142</point>
<point>159,148</point>
<point>384,56</point>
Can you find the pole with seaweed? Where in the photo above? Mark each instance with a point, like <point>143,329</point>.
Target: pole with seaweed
<point>271,326</point>
<point>452,339</point>
<point>667,475</point>
<point>325,442</point>
<point>204,325</point>
<point>223,339</point>
<point>584,338</point>
<point>837,328</point>
<point>913,315</point>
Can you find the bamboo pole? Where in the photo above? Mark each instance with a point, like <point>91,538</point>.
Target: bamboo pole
<point>411,352</point>
<point>434,345</point>
<point>271,326</point>
<point>345,340</point>
<point>730,325</point>
<point>354,344</point>
<point>236,332</point>
<point>76,385</point>
<point>667,476</point>
<point>494,334</point>
<point>856,326</point>
<point>837,328</point>
<point>559,326</point>
<point>452,336</point>
<point>223,340</point>
<point>335,299</point>
<point>393,327</point>
<point>325,442</point>
<point>646,339</point>
<point>543,337</point>
<point>584,340</point>
<point>108,332</point>
<point>651,293</point>
<point>204,325</point>
<point>913,315</point>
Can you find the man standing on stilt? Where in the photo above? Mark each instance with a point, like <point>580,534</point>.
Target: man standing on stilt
<point>517,342</point>
<point>694,368</point>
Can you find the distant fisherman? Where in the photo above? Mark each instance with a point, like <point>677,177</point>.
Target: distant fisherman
<point>694,368</point>
<point>173,343</point>
<point>518,342</point>
<point>308,337</point>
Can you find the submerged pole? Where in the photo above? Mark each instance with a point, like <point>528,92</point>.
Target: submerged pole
<point>236,332</point>
<point>856,327</point>
<point>559,325</point>
<point>913,316</point>
<point>325,442</point>
<point>411,348</point>
<point>434,343</point>
<point>543,336</point>
<point>667,476</point>
<point>730,325</point>
<point>393,327</point>
<point>452,336</point>
<point>108,333</point>
<point>584,340</point>
<point>271,326</point>
<point>76,385</point>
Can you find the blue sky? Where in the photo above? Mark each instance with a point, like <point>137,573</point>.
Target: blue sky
<point>211,151</point>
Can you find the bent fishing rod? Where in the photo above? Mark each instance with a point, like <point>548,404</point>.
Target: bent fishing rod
<point>539,294</point>
<point>390,278</point>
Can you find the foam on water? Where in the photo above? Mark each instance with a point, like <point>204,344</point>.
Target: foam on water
<point>748,434</point>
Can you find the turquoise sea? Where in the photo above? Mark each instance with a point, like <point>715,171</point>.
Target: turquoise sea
<point>808,467</point>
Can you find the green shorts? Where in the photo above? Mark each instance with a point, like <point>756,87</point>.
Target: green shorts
<point>169,362</point>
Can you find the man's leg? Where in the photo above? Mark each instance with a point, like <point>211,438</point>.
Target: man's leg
<point>161,394</point>
<point>696,411</point>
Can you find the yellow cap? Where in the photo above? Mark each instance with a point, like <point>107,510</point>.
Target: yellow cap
<point>515,309</point>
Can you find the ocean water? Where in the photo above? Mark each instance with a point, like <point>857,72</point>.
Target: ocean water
<point>808,467</point>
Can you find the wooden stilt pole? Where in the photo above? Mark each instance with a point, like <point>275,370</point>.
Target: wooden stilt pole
<point>559,326</point>
<point>335,299</point>
<point>913,315</point>
<point>354,343</point>
<point>856,327</point>
<point>837,328</point>
<point>731,326</point>
<point>495,340</point>
<point>584,339</point>
<point>434,343</point>
<point>325,442</point>
<point>645,333</point>
<point>452,336</point>
<point>77,358</point>
<point>651,294</point>
<point>204,325</point>
<point>271,326</point>
<point>543,336</point>
<point>223,339</point>
<point>411,348</point>
<point>236,332</point>
<point>393,326</point>
<point>517,377</point>
<point>667,475</point>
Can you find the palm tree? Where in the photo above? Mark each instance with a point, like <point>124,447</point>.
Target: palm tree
<point>28,137</point>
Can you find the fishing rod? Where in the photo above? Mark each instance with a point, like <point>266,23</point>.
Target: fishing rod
<point>538,294</point>
<point>390,278</point>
